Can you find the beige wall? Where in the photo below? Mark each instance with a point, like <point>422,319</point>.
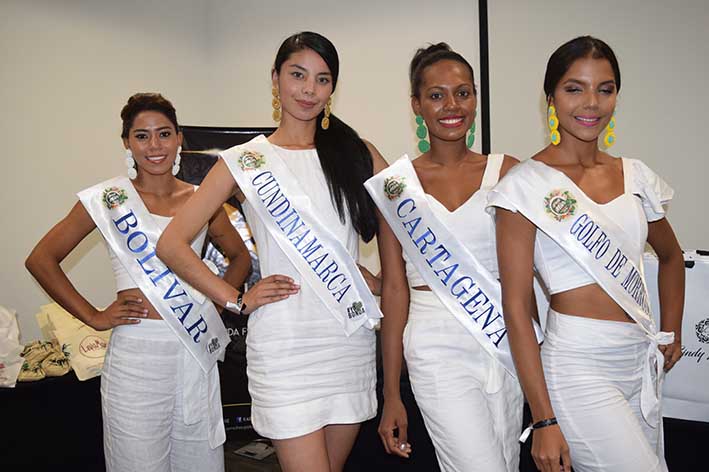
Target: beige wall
<point>66,69</point>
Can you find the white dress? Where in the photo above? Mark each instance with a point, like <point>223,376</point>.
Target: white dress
<point>471,406</point>
<point>304,372</point>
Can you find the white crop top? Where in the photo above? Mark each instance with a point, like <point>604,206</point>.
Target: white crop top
<point>123,280</point>
<point>642,201</point>
<point>475,228</point>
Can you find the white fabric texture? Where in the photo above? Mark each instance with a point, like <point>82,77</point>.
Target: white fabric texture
<point>304,372</point>
<point>557,269</point>
<point>595,384</point>
<point>123,280</point>
<point>160,411</point>
<point>473,226</point>
<point>471,407</point>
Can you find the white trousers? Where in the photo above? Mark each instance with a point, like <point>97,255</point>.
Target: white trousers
<point>593,370</point>
<point>156,418</point>
<point>471,406</point>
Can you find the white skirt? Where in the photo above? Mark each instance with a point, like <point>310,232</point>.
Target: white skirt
<point>593,371</point>
<point>161,413</point>
<point>471,406</point>
<point>304,372</point>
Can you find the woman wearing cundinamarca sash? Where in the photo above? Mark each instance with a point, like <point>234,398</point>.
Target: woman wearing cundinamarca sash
<point>440,294</point>
<point>581,218</point>
<point>160,384</point>
<point>311,355</point>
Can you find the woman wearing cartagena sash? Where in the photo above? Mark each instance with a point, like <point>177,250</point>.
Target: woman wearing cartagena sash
<point>441,294</point>
<point>311,362</point>
<point>160,385</point>
<point>581,218</point>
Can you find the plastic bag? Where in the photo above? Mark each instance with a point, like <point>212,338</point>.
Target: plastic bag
<point>10,348</point>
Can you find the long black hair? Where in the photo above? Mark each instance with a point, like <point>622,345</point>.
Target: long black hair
<point>425,57</point>
<point>578,48</point>
<point>344,157</point>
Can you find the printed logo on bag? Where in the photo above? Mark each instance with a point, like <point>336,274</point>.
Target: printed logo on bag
<point>702,330</point>
<point>560,204</point>
<point>354,310</point>
<point>113,197</point>
<point>251,160</point>
<point>394,187</point>
<point>213,345</point>
<point>93,346</point>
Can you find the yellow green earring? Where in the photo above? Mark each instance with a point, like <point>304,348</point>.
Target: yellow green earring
<point>421,131</point>
<point>609,139</point>
<point>276,104</point>
<point>553,122</point>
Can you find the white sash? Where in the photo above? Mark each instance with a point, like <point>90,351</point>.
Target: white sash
<point>316,253</point>
<point>128,227</point>
<point>553,202</point>
<point>467,289</point>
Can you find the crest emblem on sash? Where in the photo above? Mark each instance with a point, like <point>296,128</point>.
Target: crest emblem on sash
<point>393,187</point>
<point>354,310</point>
<point>560,204</point>
<point>702,330</point>
<point>251,160</point>
<point>113,197</point>
<point>213,345</point>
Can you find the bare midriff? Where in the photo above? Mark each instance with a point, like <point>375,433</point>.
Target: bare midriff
<point>589,301</point>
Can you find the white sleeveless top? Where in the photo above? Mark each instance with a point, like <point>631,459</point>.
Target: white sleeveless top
<point>305,166</point>
<point>474,227</point>
<point>642,200</point>
<point>123,280</point>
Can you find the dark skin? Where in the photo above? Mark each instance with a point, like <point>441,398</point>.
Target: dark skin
<point>450,173</point>
<point>152,135</point>
<point>584,99</point>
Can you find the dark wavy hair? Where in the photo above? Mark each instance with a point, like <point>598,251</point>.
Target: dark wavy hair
<point>425,57</point>
<point>578,48</point>
<point>344,157</point>
<point>141,102</point>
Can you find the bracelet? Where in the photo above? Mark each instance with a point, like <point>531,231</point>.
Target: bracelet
<point>544,423</point>
<point>237,307</point>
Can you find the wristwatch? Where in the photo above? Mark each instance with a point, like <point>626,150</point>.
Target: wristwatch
<point>238,306</point>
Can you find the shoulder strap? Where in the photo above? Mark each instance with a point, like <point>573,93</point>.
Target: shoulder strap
<point>492,170</point>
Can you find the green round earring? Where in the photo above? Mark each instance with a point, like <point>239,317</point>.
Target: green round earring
<point>471,136</point>
<point>421,131</point>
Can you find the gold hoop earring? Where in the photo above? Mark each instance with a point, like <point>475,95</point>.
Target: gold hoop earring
<point>276,104</point>
<point>325,123</point>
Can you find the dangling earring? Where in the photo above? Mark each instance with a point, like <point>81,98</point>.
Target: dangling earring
<point>424,146</point>
<point>553,122</point>
<point>471,136</point>
<point>178,159</point>
<point>325,123</point>
<point>276,104</point>
<point>130,164</point>
<point>609,139</point>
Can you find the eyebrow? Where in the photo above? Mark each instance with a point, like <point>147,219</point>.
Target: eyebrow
<point>299,67</point>
<point>576,81</point>
<point>147,130</point>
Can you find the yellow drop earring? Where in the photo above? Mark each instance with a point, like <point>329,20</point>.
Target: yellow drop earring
<point>553,123</point>
<point>276,104</point>
<point>609,139</point>
<point>325,123</point>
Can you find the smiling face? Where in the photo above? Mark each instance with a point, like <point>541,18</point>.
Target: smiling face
<point>585,99</point>
<point>446,100</point>
<point>153,140</point>
<point>304,84</point>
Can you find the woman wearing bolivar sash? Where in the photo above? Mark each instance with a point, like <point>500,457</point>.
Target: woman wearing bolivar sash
<point>581,218</point>
<point>160,385</point>
<point>311,357</point>
<point>440,294</point>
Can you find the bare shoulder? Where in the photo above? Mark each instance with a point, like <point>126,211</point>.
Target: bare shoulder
<point>378,162</point>
<point>508,162</point>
